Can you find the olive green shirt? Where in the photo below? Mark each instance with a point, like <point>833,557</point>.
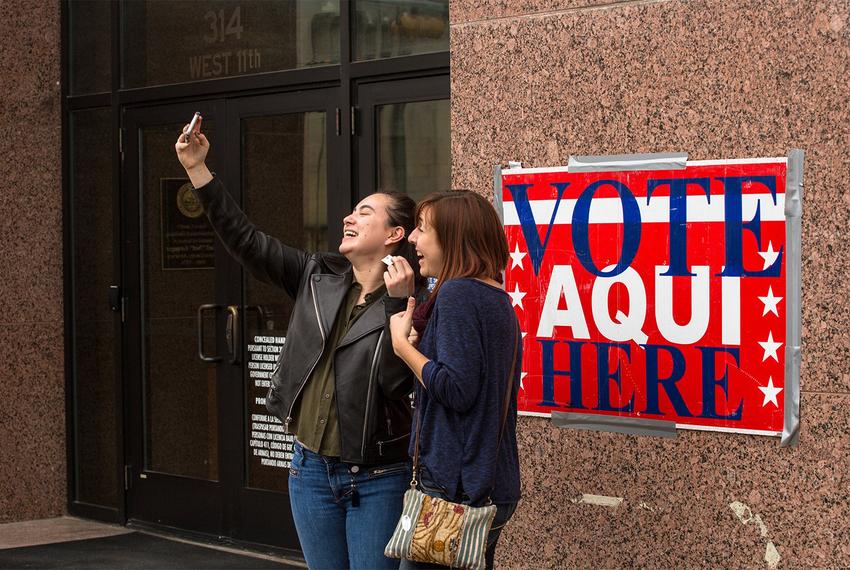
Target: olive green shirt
<point>315,414</point>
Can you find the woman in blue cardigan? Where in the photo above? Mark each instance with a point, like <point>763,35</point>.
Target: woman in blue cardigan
<point>468,337</point>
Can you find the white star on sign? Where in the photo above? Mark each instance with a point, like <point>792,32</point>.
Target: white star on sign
<point>770,391</point>
<point>770,302</point>
<point>516,257</point>
<point>516,296</point>
<point>769,256</point>
<point>522,376</point>
<point>770,347</point>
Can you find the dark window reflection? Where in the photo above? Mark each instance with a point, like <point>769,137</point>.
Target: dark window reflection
<point>94,340</point>
<point>90,46</point>
<point>391,28</point>
<point>414,147</point>
<point>293,209</point>
<point>176,42</point>
<point>181,402</point>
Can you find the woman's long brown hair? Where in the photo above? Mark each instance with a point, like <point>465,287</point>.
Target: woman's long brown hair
<point>470,234</point>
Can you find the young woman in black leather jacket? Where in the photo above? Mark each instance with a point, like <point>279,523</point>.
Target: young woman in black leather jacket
<point>338,386</point>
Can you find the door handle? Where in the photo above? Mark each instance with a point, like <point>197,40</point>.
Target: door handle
<point>231,333</point>
<point>201,310</point>
<point>262,319</point>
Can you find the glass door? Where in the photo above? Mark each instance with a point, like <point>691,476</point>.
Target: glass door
<point>203,336</point>
<point>404,142</point>
<point>286,173</point>
<point>173,265</point>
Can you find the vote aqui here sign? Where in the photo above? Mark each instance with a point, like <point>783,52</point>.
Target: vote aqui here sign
<point>656,294</point>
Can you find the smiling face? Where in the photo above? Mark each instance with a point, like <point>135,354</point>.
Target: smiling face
<point>428,249</point>
<point>366,230</point>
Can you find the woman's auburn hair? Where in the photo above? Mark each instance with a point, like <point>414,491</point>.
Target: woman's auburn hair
<point>469,232</point>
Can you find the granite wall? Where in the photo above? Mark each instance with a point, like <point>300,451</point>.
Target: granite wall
<point>32,383</point>
<point>538,80</point>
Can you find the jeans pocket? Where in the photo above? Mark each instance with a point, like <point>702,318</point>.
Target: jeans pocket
<point>386,470</point>
<point>296,461</point>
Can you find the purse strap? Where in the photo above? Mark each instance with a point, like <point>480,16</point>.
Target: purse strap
<point>509,389</point>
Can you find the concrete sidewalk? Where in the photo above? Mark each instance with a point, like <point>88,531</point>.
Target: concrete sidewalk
<point>71,530</point>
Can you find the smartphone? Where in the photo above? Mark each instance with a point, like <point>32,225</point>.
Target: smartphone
<point>192,124</point>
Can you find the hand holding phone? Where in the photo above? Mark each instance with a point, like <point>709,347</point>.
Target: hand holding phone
<point>192,152</point>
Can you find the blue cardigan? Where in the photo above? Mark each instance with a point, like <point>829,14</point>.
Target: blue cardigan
<point>469,341</point>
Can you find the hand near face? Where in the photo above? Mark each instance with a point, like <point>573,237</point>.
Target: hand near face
<point>399,278</point>
<point>401,324</point>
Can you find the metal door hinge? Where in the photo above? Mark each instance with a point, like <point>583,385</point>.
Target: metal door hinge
<point>117,301</point>
<point>353,121</point>
<point>121,143</point>
<point>338,121</point>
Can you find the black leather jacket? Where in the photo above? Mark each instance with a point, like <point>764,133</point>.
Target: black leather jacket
<point>372,383</point>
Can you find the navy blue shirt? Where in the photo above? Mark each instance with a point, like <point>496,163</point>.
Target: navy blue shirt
<point>469,341</point>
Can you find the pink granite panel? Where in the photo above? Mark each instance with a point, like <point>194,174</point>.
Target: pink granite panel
<point>30,55</point>
<point>461,11</point>
<point>30,160</point>
<point>31,223</point>
<point>32,422</point>
<point>682,498</point>
<point>32,384</point>
<point>718,80</point>
<point>557,468</point>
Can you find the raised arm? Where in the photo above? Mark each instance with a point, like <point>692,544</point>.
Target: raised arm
<point>265,257</point>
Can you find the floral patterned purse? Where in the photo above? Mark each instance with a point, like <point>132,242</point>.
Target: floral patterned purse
<point>441,532</point>
<point>437,531</point>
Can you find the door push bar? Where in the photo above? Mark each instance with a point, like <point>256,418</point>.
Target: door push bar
<point>231,331</point>
<point>201,310</point>
<point>262,317</point>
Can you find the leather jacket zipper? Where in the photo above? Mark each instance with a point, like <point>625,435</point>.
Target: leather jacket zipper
<point>304,381</point>
<point>393,440</point>
<point>369,394</point>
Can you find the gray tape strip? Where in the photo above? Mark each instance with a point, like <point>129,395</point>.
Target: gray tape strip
<point>497,192</point>
<point>617,424</point>
<point>622,162</point>
<point>498,202</point>
<point>793,233</point>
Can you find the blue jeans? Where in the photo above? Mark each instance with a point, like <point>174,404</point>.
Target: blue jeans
<point>345,514</point>
<point>504,512</point>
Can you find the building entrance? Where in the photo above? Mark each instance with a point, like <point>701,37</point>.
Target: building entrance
<point>309,106</point>
<point>201,338</point>
<point>203,454</point>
